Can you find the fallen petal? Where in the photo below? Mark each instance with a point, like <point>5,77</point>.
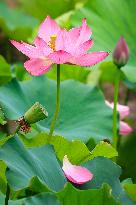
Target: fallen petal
<point>76,174</point>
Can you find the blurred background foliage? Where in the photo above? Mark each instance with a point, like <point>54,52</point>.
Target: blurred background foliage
<point>109,19</point>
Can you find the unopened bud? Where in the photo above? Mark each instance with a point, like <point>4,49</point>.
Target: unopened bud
<point>125,129</point>
<point>121,53</point>
<point>36,113</point>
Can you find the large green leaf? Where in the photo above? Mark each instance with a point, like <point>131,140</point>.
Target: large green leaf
<point>10,202</point>
<point>71,148</point>
<point>109,20</point>
<point>38,169</point>
<point>106,171</point>
<point>16,24</point>
<point>70,195</point>
<point>40,8</point>
<point>37,166</point>
<point>83,112</point>
<point>131,190</point>
<point>40,199</point>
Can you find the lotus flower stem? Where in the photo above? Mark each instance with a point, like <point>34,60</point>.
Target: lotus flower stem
<point>7,195</point>
<point>53,123</point>
<point>115,122</point>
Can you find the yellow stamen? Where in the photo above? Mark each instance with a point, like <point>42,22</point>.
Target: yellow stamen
<point>52,42</point>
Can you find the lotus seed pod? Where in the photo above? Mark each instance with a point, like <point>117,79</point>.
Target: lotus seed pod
<point>36,113</point>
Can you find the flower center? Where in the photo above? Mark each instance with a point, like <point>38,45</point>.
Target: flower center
<point>52,42</point>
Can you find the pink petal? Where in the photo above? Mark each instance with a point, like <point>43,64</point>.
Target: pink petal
<point>42,45</point>
<point>125,129</point>
<point>90,59</point>
<point>122,109</point>
<point>28,50</point>
<point>85,33</point>
<point>83,48</point>
<point>79,40</point>
<point>59,57</point>
<point>61,40</point>
<point>48,27</point>
<point>76,174</point>
<point>74,34</point>
<point>37,66</point>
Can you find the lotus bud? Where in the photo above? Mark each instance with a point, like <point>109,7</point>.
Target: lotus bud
<point>125,129</point>
<point>121,53</point>
<point>122,109</point>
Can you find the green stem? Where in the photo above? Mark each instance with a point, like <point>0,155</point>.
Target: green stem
<point>7,195</point>
<point>115,121</point>
<point>53,123</point>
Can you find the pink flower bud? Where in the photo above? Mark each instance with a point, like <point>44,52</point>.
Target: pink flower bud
<point>122,109</point>
<point>125,129</point>
<point>76,174</point>
<point>121,53</point>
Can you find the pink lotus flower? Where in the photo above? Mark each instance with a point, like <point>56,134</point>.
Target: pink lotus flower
<point>122,109</point>
<point>76,174</point>
<point>58,46</point>
<point>125,129</point>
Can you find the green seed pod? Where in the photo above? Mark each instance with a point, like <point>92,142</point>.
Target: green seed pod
<point>36,113</point>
